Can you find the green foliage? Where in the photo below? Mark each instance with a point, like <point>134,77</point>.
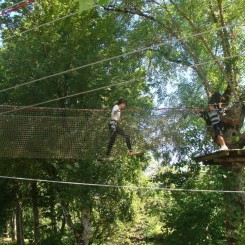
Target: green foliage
<point>191,214</point>
<point>103,2</point>
<point>87,5</point>
<point>123,216</point>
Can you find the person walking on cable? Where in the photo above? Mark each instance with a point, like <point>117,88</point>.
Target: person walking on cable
<point>116,130</point>
<point>214,116</point>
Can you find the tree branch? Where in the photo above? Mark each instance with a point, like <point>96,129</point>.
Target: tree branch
<point>224,38</point>
<point>172,32</point>
<point>200,37</point>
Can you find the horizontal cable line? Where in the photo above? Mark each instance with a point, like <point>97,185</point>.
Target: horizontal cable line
<point>102,61</point>
<point>37,27</point>
<point>13,108</point>
<point>73,95</point>
<point>121,186</point>
<point>111,58</point>
<point>117,84</point>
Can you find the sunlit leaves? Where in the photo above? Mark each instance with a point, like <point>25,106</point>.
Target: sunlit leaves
<point>89,4</point>
<point>85,5</point>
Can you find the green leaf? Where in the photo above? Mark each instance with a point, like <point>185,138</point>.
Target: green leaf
<point>103,2</point>
<point>85,5</point>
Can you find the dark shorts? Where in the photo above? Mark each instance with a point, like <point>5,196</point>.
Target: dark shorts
<point>218,129</point>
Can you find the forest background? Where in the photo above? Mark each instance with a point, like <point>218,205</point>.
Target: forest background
<point>173,54</point>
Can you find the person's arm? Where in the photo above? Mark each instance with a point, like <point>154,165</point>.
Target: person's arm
<point>220,108</point>
<point>116,111</point>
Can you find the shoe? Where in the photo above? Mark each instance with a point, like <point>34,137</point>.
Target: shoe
<point>134,153</point>
<point>223,148</point>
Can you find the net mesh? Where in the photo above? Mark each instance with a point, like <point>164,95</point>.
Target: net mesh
<point>73,134</point>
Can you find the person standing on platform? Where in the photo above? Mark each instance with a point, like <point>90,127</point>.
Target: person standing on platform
<point>214,115</point>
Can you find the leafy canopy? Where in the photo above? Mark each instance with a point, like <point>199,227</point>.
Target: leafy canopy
<point>86,5</point>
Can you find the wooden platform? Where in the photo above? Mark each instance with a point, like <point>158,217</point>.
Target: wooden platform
<point>222,157</point>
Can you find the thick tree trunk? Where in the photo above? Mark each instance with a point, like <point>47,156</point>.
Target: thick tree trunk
<point>234,202</point>
<point>19,220</point>
<point>52,211</point>
<point>13,227</point>
<point>34,194</point>
<point>82,232</point>
<point>7,230</point>
<point>86,223</point>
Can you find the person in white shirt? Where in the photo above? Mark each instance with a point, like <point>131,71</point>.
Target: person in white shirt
<point>116,130</point>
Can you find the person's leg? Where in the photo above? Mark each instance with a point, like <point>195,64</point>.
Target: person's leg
<point>126,136</point>
<point>113,136</point>
<point>219,137</point>
<point>220,140</point>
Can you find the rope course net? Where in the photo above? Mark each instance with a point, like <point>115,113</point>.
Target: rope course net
<point>56,133</point>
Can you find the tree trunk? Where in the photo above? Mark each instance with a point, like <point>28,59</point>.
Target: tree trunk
<point>53,211</point>
<point>86,223</point>
<point>234,203</point>
<point>13,227</point>
<point>34,195</point>
<point>19,220</point>
<point>81,234</point>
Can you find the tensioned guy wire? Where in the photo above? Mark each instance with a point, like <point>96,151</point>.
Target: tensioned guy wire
<point>115,57</point>
<point>102,61</point>
<point>73,95</point>
<point>108,59</point>
<point>44,24</point>
<point>121,186</point>
<point>113,85</point>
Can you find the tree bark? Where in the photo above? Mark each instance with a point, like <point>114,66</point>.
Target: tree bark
<point>53,211</point>
<point>82,232</point>
<point>234,202</point>
<point>34,194</point>
<point>13,227</point>
<point>86,222</point>
<point>19,220</point>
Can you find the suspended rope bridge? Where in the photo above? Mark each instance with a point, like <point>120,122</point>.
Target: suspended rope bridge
<point>76,133</point>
